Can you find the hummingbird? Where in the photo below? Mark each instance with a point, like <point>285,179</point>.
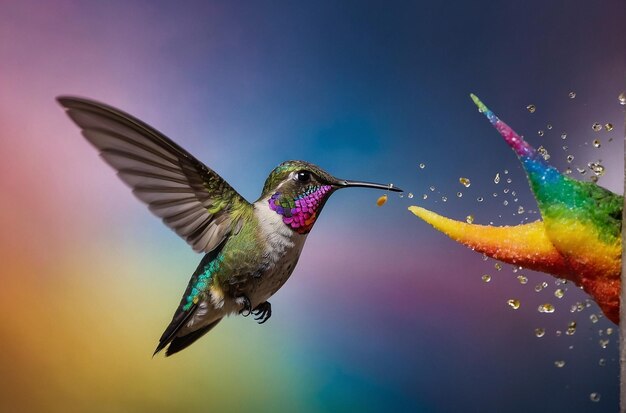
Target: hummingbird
<point>250,249</point>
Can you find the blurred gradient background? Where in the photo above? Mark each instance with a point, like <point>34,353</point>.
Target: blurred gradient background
<point>382,312</point>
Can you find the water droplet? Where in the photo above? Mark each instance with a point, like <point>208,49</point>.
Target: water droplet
<point>401,195</point>
<point>522,279</point>
<point>546,308</point>
<point>581,171</point>
<point>506,190</point>
<point>479,199</point>
<point>513,303</point>
<point>509,180</point>
<point>571,328</point>
<point>602,362</point>
<point>538,288</point>
<point>596,127</point>
<point>596,167</point>
<point>469,219</point>
<point>540,132</point>
<point>532,108</point>
<point>604,343</point>
<point>410,195</point>
<point>543,152</point>
<point>570,158</point>
<point>496,179</point>
<point>495,194</point>
<point>559,293</point>
<point>505,203</point>
<point>486,278</point>
<point>622,98</point>
<point>609,331</point>
<point>608,127</point>
<point>444,199</point>
<point>432,189</point>
<point>422,165</point>
<point>559,363</point>
<point>497,266</point>
<point>540,332</point>
<point>465,182</point>
<point>597,143</point>
<point>572,95</point>
<point>593,318</point>
<point>594,397</point>
<point>424,196</point>
<point>568,171</point>
<point>381,200</point>
<point>548,126</point>
<point>520,209</point>
<point>564,135</point>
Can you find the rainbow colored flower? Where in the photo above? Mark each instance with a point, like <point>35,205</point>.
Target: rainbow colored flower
<point>578,238</point>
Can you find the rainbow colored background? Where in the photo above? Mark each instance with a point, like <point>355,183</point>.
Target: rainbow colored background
<point>382,313</point>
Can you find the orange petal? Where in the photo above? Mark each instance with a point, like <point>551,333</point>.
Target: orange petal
<point>525,245</point>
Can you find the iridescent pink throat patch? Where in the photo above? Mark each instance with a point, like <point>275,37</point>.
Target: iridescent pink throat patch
<point>300,213</point>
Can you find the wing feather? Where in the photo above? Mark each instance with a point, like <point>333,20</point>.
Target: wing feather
<point>188,196</point>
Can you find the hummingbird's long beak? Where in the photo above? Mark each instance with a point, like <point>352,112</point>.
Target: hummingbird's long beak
<point>344,183</point>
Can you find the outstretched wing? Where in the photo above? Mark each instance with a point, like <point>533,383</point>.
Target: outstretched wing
<point>190,198</point>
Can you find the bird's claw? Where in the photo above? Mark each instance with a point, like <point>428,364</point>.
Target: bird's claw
<point>262,312</point>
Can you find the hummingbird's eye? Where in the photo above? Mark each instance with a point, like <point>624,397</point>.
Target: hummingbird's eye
<point>303,176</point>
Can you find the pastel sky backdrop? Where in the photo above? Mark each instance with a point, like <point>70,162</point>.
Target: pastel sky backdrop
<point>382,312</point>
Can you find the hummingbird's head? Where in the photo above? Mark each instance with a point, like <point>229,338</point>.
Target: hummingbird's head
<point>298,190</point>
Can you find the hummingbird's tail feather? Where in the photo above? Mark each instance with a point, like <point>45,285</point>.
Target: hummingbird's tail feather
<point>180,343</point>
<point>180,319</point>
<point>192,318</point>
<point>179,325</point>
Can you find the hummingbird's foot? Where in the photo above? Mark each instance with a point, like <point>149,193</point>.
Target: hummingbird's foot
<point>246,306</point>
<point>263,312</point>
